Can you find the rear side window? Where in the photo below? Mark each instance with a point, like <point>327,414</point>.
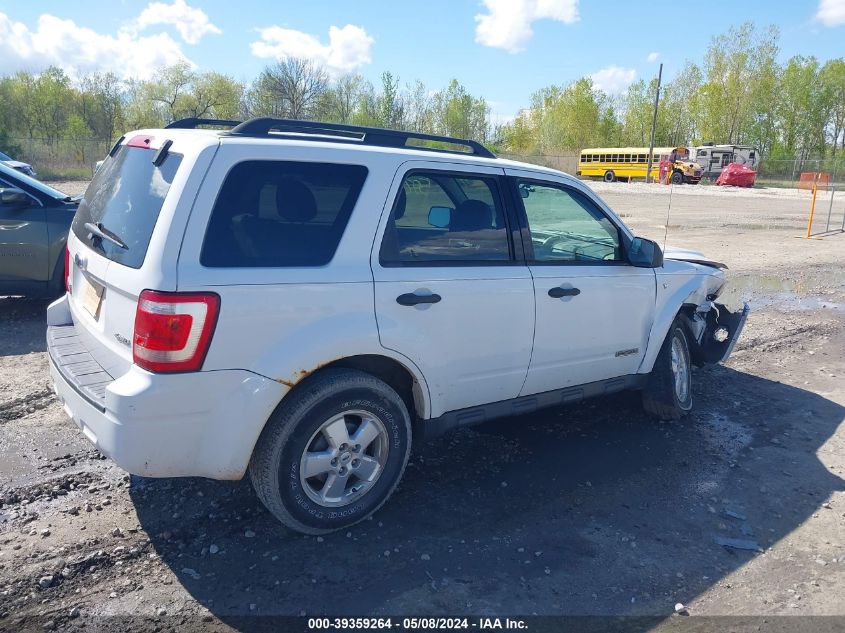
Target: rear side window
<point>443,219</point>
<point>281,214</point>
<point>124,200</point>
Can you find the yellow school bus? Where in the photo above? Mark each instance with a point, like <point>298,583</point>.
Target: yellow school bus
<point>623,163</point>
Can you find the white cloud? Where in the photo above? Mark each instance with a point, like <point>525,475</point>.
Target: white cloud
<point>613,79</point>
<point>78,49</point>
<point>191,23</point>
<point>348,47</point>
<point>831,12</point>
<point>508,23</point>
<point>653,57</point>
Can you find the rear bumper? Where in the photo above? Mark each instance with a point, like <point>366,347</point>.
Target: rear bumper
<point>201,424</point>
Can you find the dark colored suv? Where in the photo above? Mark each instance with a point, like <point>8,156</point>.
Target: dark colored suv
<point>34,223</point>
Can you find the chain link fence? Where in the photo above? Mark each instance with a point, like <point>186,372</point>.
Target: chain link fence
<point>75,159</point>
<point>787,173</point>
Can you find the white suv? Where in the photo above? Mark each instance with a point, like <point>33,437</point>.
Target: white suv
<point>300,299</point>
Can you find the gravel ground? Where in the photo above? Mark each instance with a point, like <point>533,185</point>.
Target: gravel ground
<point>589,510</point>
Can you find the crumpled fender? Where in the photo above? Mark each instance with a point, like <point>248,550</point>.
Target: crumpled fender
<point>678,284</point>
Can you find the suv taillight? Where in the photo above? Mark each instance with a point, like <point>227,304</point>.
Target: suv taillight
<point>67,269</point>
<point>173,330</point>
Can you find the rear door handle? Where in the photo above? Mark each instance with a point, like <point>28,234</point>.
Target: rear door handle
<point>559,292</point>
<point>412,299</point>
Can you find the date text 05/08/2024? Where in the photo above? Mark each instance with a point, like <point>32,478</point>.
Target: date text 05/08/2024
<point>411,624</point>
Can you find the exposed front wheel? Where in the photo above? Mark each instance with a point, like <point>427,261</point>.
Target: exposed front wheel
<point>333,452</point>
<point>609,176</point>
<point>668,392</point>
<point>677,178</point>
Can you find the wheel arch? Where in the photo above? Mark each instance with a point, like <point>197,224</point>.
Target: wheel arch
<point>404,377</point>
<point>687,297</point>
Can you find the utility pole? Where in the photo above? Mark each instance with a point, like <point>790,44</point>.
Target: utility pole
<point>653,124</point>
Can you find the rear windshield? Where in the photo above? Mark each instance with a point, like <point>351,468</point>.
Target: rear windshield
<point>124,200</point>
<point>280,214</point>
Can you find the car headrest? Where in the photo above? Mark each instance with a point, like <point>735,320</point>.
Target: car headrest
<point>294,201</point>
<point>471,215</point>
<point>401,204</point>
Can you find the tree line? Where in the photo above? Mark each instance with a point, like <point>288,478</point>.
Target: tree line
<point>739,93</point>
<point>51,108</point>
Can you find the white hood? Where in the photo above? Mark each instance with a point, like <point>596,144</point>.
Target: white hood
<point>685,255</point>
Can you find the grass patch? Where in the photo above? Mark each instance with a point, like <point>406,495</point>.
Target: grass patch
<point>67,173</point>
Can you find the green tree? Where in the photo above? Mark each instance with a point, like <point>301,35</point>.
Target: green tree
<point>212,95</point>
<point>731,94</point>
<point>52,100</point>
<point>681,107</point>
<point>800,115</point>
<point>101,104</point>
<point>169,91</point>
<point>832,89</point>
<point>291,88</point>
<point>77,131</point>
<point>636,121</point>
<point>390,104</point>
<point>458,113</point>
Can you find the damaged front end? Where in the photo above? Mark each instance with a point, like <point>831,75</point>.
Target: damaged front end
<point>714,330</point>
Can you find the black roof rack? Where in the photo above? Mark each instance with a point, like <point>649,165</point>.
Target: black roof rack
<point>193,122</point>
<point>343,133</point>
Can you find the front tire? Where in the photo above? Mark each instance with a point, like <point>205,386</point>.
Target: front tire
<point>677,178</point>
<point>609,176</point>
<point>332,452</point>
<point>668,392</point>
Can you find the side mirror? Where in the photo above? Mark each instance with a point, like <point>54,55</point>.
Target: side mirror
<point>440,217</point>
<point>13,198</point>
<point>525,190</point>
<point>645,253</point>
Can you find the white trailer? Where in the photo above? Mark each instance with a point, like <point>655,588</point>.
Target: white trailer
<point>713,158</point>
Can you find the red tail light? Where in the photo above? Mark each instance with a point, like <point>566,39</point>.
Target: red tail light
<point>67,269</point>
<point>173,330</point>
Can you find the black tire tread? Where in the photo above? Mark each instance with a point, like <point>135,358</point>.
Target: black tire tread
<point>264,475</point>
<point>658,395</point>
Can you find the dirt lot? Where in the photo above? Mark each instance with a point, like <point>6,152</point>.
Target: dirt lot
<point>589,510</point>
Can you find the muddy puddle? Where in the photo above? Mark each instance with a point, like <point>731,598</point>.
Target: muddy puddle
<point>824,290</point>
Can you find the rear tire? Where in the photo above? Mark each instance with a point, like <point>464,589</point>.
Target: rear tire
<point>332,452</point>
<point>668,392</point>
<point>609,176</point>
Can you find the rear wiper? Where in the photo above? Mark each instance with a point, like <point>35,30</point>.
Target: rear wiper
<point>104,234</point>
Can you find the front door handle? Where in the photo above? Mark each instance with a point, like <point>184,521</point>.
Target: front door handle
<point>412,299</point>
<point>558,292</point>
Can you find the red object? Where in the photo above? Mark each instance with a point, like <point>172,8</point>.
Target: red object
<point>664,168</point>
<point>737,175</point>
<point>67,269</point>
<point>173,330</point>
<point>143,141</point>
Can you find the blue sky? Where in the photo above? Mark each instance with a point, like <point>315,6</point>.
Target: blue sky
<point>500,49</point>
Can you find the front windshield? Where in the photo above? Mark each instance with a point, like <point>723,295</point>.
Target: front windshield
<point>5,156</point>
<point>31,183</point>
